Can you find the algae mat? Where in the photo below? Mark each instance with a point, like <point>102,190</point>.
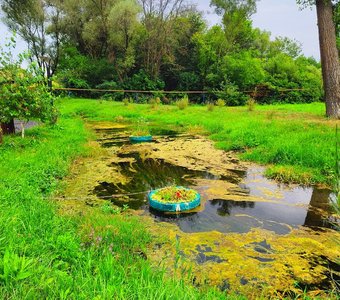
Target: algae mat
<point>250,235</point>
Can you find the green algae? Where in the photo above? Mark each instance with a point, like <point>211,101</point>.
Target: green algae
<point>258,263</point>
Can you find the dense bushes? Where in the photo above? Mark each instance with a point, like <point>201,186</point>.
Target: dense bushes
<point>205,60</point>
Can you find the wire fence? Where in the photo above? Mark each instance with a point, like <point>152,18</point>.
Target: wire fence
<point>201,96</point>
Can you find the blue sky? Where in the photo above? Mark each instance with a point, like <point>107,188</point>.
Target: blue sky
<point>280,17</point>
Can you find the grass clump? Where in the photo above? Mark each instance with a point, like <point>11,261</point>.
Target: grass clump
<point>220,102</point>
<point>251,103</point>
<point>155,102</point>
<point>183,103</point>
<point>210,106</point>
<point>126,101</point>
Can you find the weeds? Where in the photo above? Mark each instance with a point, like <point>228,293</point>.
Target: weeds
<point>44,255</point>
<point>183,103</point>
<point>275,135</point>
<point>220,103</point>
<point>154,102</point>
<point>210,106</point>
<point>127,101</point>
<point>251,103</point>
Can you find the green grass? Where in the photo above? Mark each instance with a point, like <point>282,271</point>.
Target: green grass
<point>295,140</point>
<point>47,256</point>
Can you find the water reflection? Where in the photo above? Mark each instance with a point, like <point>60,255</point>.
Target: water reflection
<point>319,204</point>
<point>280,209</point>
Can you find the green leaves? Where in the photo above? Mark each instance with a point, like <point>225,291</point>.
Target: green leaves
<point>14,268</point>
<point>23,93</point>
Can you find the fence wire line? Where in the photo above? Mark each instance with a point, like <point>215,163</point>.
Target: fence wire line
<point>166,92</point>
<point>99,197</point>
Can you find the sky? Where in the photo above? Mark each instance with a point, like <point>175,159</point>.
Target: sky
<point>280,17</point>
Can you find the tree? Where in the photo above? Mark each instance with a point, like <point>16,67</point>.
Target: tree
<point>123,19</point>
<point>38,23</point>
<point>23,93</point>
<point>159,19</point>
<point>329,54</point>
<point>236,21</point>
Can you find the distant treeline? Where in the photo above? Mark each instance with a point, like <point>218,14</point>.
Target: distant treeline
<point>164,45</point>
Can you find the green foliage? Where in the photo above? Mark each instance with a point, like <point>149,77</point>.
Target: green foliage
<point>183,103</point>
<point>220,102</point>
<point>244,70</point>
<point>141,127</point>
<point>23,92</point>
<point>285,129</point>
<point>126,101</point>
<point>231,93</point>
<point>118,45</point>
<point>210,106</point>
<point>46,255</point>
<point>142,81</point>
<point>155,102</point>
<point>14,268</point>
<point>251,103</point>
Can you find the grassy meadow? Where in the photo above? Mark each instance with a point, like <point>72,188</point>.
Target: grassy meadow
<point>295,140</point>
<point>46,255</point>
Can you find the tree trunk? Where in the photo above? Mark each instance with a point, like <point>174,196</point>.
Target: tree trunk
<point>1,136</point>
<point>8,128</point>
<point>329,57</point>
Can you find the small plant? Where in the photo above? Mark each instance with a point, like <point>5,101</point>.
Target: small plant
<point>126,101</point>
<point>174,194</point>
<point>210,106</point>
<point>220,103</point>
<point>183,103</point>
<point>154,102</point>
<point>107,208</point>
<point>141,128</point>
<point>120,119</point>
<point>251,103</point>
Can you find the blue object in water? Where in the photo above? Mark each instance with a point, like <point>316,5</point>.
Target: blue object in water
<point>174,207</point>
<point>141,139</point>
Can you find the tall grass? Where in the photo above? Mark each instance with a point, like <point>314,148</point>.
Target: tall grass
<point>296,140</point>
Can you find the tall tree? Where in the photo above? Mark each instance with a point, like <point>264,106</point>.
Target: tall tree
<point>124,22</point>
<point>159,18</point>
<point>329,54</point>
<point>38,23</point>
<point>236,21</point>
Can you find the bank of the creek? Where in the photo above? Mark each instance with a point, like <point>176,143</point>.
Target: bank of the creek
<point>250,235</point>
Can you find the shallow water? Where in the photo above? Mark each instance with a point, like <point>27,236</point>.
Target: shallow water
<point>280,208</point>
<point>250,235</point>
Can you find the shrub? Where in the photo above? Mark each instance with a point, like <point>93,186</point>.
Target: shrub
<point>210,106</point>
<point>220,103</point>
<point>154,102</point>
<point>251,104</point>
<point>23,92</point>
<point>183,103</point>
<point>126,101</point>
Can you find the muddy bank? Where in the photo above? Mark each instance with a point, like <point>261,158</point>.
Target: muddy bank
<point>249,234</point>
